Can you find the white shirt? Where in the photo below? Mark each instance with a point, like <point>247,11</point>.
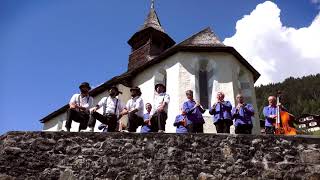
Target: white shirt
<point>158,99</point>
<point>109,104</point>
<point>85,101</point>
<point>135,103</point>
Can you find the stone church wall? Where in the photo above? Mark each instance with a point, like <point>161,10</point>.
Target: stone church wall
<point>68,156</point>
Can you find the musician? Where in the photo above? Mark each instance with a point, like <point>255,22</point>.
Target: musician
<point>161,102</point>
<point>270,114</point>
<point>221,112</point>
<point>193,111</point>
<point>242,115</point>
<point>134,109</point>
<point>181,123</point>
<point>79,106</point>
<point>146,117</point>
<point>112,111</point>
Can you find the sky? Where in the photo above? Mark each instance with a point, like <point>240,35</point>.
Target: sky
<point>47,48</point>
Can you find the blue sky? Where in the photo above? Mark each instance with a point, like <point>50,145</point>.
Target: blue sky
<point>48,47</point>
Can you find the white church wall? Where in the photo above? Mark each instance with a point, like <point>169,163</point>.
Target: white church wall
<point>181,70</point>
<point>53,124</point>
<point>244,84</point>
<point>173,87</point>
<point>219,78</point>
<point>146,85</point>
<point>250,92</point>
<point>147,79</point>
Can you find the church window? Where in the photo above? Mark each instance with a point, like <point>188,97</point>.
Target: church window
<point>203,86</point>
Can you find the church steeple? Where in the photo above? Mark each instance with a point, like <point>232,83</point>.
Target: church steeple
<point>152,20</point>
<point>149,42</point>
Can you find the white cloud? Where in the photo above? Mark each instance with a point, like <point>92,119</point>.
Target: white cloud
<point>277,51</point>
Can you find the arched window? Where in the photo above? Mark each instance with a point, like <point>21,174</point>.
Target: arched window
<point>205,82</point>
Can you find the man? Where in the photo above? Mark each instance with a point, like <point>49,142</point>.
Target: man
<point>112,111</point>
<point>134,109</point>
<point>221,112</point>
<point>242,115</point>
<point>181,123</point>
<point>161,102</point>
<point>194,113</point>
<point>270,114</point>
<point>79,106</point>
<point>146,117</point>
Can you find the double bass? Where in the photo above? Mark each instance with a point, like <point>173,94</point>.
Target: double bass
<point>284,120</point>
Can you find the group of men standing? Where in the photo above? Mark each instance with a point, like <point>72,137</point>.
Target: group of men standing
<point>189,121</point>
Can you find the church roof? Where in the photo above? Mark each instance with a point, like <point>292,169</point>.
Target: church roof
<point>205,37</point>
<point>203,41</point>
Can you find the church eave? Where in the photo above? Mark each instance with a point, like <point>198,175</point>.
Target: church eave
<point>151,30</point>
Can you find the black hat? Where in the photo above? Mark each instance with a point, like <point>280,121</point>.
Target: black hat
<point>136,89</point>
<point>115,88</point>
<point>85,84</point>
<point>160,84</point>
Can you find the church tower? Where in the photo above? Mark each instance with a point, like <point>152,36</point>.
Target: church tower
<point>150,41</point>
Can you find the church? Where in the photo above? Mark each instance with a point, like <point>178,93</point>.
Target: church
<point>201,63</point>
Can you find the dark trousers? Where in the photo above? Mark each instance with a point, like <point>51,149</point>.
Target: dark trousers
<point>195,128</point>
<point>269,129</point>
<point>243,129</point>
<point>223,126</point>
<point>81,117</point>
<point>108,119</point>
<point>134,122</point>
<point>158,121</point>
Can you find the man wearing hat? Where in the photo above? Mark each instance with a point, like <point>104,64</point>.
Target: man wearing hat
<point>112,108</point>
<point>134,109</point>
<point>161,102</point>
<point>79,107</point>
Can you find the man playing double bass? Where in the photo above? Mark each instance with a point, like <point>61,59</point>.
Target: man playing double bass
<point>270,114</point>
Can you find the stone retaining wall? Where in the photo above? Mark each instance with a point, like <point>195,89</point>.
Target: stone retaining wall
<point>62,155</point>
